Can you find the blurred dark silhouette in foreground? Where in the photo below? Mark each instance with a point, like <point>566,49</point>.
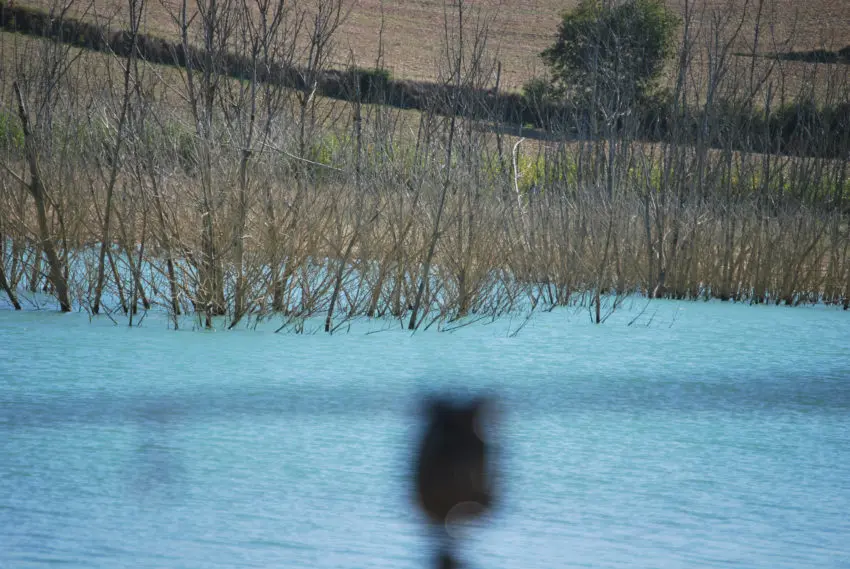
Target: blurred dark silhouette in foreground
<point>453,468</point>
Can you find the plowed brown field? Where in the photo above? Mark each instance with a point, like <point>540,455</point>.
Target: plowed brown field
<point>413,30</point>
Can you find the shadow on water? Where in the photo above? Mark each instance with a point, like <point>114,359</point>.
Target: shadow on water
<point>156,466</point>
<point>157,412</point>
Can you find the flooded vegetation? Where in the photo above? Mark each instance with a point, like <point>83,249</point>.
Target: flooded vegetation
<point>128,185</point>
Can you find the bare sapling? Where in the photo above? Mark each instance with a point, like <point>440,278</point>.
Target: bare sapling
<point>40,195</point>
<point>250,108</point>
<point>455,53</point>
<point>135,12</point>
<point>202,81</point>
<point>4,281</point>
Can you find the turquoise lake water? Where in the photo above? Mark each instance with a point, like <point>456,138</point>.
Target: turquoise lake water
<point>704,435</point>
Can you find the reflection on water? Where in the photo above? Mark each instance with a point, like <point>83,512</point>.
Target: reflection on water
<point>720,441</point>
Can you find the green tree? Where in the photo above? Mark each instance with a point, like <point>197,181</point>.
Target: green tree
<point>611,49</point>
